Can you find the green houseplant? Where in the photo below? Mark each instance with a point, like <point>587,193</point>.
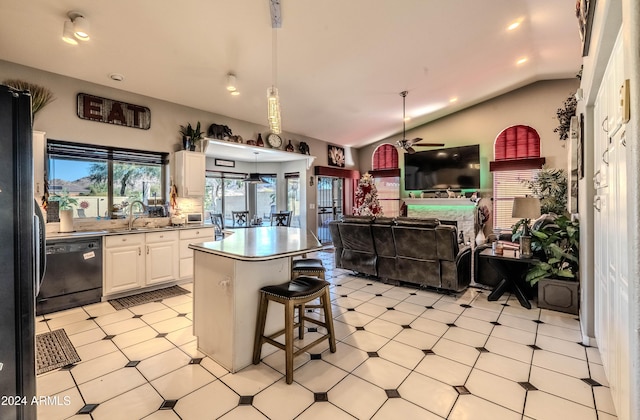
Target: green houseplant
<point>191,136</point>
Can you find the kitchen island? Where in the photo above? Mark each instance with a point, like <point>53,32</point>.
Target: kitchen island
<point>228,275</point>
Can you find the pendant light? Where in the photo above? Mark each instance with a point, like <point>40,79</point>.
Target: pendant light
<point>273,100</point>
<point>254,177</point>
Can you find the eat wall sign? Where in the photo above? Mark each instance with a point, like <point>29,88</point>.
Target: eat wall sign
<point>109,111</point>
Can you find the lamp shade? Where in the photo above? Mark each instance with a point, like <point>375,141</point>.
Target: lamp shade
<point>526,208</point>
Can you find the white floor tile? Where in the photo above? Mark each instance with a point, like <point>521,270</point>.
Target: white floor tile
<point>371,309</point>
<point>99,309</point>
<point>428,393</point>
<point>252,379</point>
<point>180,382</point>
<point>543,406</point>
<point>514,334</point>
<point>211,401</point>
<point>559,363</point>
<point>112,317</point>
<point>163,363</point>
<point>359,398</point>
<point>134,404</point>
<point>462,336</point>
<point>163,415</point>
<point>604,402</point>
<point>177,300</point>
<point>355,318</point>
<point>171,324</point>
<point>564,347</point>
<point>517,322</point>
<point>342,330</point>
<point>213,367</point>
<point>416,338</point>
<point>482,314</point>
<point>444,370</point>
<point>398,408</point>
<point>70,403</point>
<point>244,412</point>
<point>86,337</point>
<point>429,326</point>
<point>569,334</point>
<point>124,326</point>
<point>472,324</point>
<point>593,355</point>
<point>277,360</point>
<point>559,319</point>
<point>597,374</point>
<point>561,385</point>
<point>446,306</point>
<point>496,389</point>
<point>366,341</point>
<point>78,327</point>
<point>509,349</point>
<point>95,349</point>
<point>455,351</point>
<point>147,348</point>
<point>318,375</point>
<point>108,386</point>
<point>346,357</point>
<point>133,337</point>
<point>440,316</point>
<point>383,328</point>
<point>410,308</point>
<point>94,368</point>
<point>401,354</point>
<point>323,410</point>
<point>159,315</point>
<point>282,401</point>
<point>53,382</point>
<point>472,407</point>
<point>398,317</point>
<point>503,366</point>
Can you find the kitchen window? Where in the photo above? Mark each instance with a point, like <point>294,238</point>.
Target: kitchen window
<point>105,180</point>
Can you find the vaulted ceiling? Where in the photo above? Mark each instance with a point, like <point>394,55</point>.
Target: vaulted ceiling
<point>341,64</point>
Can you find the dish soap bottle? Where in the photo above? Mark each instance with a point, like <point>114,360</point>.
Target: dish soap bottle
<point>289,147</point>
<point>259,142</point>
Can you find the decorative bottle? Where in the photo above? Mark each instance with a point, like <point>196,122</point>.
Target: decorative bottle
<point>259,142</point>
<point>289,147</point>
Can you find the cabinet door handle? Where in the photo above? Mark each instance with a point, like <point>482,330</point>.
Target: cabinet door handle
<point>605,153</point>
<point>623,142</point>
<point>596,179</point>
<point>605,124</point>
<point>139,251</point>
<point>147,249</point>
<point>596,204</point>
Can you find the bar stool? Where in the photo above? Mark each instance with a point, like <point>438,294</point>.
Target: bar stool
<point>307,267</point>
<point>293,295</point>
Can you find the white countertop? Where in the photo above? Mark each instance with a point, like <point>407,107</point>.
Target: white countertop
<point>120,231</point>
<point>261,243</point>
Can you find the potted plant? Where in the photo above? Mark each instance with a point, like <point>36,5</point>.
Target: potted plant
<point>65,208</point>
<point>191,136</point>
<point>556,246</point>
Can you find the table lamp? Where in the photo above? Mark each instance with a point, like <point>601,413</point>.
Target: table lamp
<point>526,208</point>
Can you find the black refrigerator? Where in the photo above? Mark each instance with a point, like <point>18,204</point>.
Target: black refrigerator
<point>21,257</point>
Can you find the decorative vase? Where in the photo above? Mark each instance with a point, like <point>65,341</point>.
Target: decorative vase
<point>480,238</point>
<point>289,147</point>
<point>259,141</point>
<point>186,142</point>
<point>66,220</point>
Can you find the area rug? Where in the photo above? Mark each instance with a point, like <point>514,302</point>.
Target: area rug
<point>146,297</point>
<point>54,350</point>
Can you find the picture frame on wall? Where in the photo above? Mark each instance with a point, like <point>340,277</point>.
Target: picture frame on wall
<point>225,163</point>
<point>336,156</point>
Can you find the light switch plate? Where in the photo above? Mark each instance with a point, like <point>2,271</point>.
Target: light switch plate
<point>312,206</point>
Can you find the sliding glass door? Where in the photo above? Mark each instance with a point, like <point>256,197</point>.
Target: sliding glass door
<point>330,204</point>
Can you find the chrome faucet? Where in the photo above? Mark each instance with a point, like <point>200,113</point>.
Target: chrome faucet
<point>131,218</point>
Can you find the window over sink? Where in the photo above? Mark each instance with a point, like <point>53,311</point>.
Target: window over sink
<point>104,180</point>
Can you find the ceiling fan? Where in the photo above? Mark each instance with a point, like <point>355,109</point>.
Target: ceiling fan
<point>407,145</point>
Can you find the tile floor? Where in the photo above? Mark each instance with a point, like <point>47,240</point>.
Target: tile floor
<point>402,353</point>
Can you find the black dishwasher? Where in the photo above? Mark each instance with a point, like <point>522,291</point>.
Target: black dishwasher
<point>73,276</point>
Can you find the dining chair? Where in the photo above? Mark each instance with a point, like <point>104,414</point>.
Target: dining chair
<point>240,218</point>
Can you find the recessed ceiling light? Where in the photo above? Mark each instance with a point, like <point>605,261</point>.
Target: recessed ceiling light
<point>452,100</point>
<point>522,60</point>
<point>514,25</point>
<point>117,77</point>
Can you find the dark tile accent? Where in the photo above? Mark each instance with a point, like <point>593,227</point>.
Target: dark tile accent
<point>320,397</point>
<point>429,307</point>
<point>372,354</point>
<point>451,325</point>
<point>378,294</point>
<point>91,318</point>
<point>584,345</point>
<point>108,337</point>
<point>482,350</point>
<point>137,316</point>
<point>246,400</point>
<point>343,295</point>
<point>132,363</point>
<point>183,315</point>
<point>406,327</point>
<point>537,321</point>
<point>195,361</point>
<point>462,390</point>
<point>158,301</point>
<point>369,284</point>
<point>359,328</point>
<point>350,309</point>
<point>161,335</point>
<point>591,382</point>
<point>464,305</point>
<point>316,356</point>
<point>392,393</point>
<point>168,404</point>
<point>413,294</point>
<point>338,285</point>
<point>312,329</point>
<point>45,319</point>
<point>87,409</point>
<point>68,367</point>
<point>391,308</point>
<point>495,323</point>
<point>428,352</point>
<point>533,346</point>
<point>528,386</point>
<point>505,304</point>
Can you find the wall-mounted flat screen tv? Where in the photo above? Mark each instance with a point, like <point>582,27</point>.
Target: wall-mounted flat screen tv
<point>457,168</point>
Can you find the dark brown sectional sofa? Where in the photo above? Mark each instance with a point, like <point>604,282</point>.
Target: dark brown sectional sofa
<point>418,251</point>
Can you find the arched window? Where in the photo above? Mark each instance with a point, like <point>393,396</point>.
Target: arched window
<point>385,157</point>
<point>516,157</point>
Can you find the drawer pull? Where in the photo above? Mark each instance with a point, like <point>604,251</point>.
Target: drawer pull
<point>147,250</point>
<point>139,251</point>
<point>596,204</point>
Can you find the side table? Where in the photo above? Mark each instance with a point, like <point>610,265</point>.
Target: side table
<point>513,269</point>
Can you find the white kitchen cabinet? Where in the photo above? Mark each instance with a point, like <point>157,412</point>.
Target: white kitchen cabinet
<point>162,257</point>
<point>124,263</point>
<point>190,236</point>
<point>190,173</point>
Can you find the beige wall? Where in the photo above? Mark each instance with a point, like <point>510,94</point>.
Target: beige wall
<point>534,105</point>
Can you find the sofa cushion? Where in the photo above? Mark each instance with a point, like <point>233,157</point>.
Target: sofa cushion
<point>415,242</point>
<point>412,221</point>
<point>385,221</point>
<point>358,219</point>
<point>446,242</point>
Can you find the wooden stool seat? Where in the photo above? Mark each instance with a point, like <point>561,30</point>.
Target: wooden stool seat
<point>307,267</point>
<point>294,295</point>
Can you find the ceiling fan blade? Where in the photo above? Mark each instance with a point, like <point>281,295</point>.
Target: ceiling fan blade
<point>410,150</point>
<point>419,143</point>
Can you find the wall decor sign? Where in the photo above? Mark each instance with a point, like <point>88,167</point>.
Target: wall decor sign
<point>95,108</point>
<point>336,156</point>
<point>226,163</point>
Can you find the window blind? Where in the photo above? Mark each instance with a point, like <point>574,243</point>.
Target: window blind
<point>506,186</point>
<point>69,150</point>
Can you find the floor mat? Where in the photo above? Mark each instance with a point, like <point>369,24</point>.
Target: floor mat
<point>54,350</point>
<point>146,297</point>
